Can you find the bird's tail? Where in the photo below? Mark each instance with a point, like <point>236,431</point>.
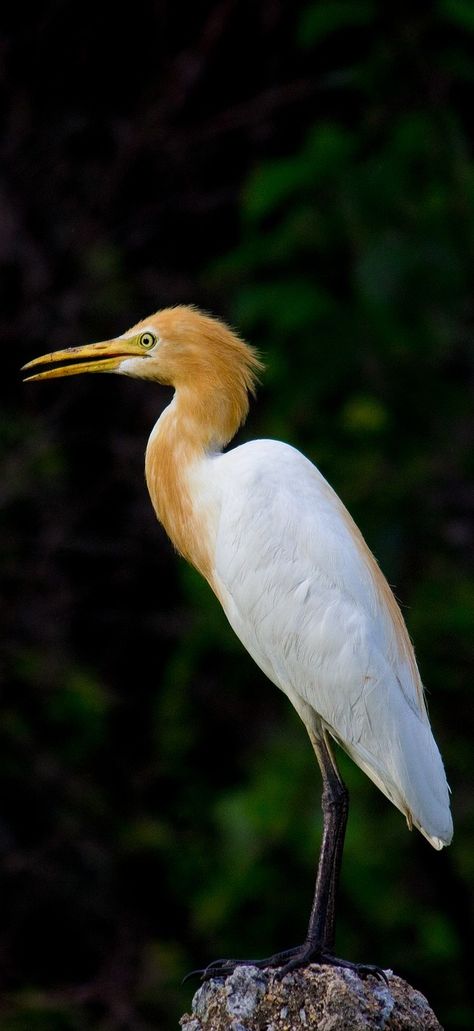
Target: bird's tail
<point>408,770</point>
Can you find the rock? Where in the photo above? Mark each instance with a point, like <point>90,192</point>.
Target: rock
<point>320,998</point>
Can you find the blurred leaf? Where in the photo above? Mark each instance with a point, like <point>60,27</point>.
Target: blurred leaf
<point>78,709</point>
<point>272,184</point>
<point>145,834</point>
<point>364,414</point>
<point>326,149</point>
<point>299,303</point>
<point>319,20</point>
<point>459,11</point>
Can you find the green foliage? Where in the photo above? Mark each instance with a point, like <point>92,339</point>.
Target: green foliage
<point>458,11</point>
<point>320,20</point>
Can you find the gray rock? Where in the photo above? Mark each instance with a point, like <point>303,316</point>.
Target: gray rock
<point>244,989</point>
<point>321,998</point>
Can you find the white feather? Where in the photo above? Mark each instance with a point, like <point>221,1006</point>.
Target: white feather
<point>299,595</point>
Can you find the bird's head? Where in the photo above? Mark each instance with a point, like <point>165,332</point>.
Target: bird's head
<point>212,369</point>
<point>178,346</point>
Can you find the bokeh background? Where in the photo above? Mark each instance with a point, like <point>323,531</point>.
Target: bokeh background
<point>305,171</point>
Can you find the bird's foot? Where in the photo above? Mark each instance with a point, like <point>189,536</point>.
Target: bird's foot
<point>224,967</point>
<point>287,961</point>
<point>320,955</point>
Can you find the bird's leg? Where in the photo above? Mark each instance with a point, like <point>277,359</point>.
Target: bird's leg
<point>335,806</point>
<point>319,941</point>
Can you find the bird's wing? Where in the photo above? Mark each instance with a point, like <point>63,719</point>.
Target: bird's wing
<point>304,594</point>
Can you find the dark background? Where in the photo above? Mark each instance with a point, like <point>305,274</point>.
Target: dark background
<point>304,171</point>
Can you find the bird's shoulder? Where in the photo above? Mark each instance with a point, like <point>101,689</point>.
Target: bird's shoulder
<point>271,466</point>
<point>270,490</point>
<point>279,516</point>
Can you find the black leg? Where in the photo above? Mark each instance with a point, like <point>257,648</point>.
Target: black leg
<point>335,806</point>
<point>319,941</point>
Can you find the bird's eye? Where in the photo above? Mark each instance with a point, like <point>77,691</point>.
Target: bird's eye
<point>147,340</point>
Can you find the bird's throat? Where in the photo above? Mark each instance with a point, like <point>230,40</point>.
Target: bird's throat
<point>173,455</point>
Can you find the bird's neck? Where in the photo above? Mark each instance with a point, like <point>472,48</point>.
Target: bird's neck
<point>186,437</point>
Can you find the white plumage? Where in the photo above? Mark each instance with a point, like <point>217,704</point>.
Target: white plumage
<point>299,595</point>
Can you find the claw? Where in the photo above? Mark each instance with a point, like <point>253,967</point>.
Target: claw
<point>218,968</point>
<point>375,971</point>
<point>362,969</point>
<point>192,973</point>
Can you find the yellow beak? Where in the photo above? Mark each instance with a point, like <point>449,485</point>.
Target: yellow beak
<point>103,357</point>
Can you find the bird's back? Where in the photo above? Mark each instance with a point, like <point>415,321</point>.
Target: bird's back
<point>308,601</point>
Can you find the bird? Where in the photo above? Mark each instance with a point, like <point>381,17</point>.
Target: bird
<point>295,578</point>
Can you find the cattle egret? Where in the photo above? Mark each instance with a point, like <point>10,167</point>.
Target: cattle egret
<point>294,576</point>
